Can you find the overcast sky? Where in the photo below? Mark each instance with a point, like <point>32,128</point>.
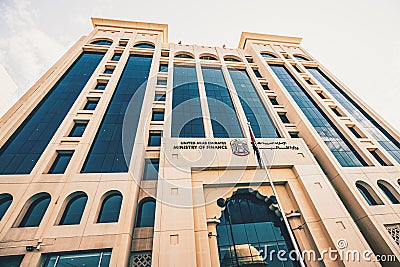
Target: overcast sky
<point>357,40</point>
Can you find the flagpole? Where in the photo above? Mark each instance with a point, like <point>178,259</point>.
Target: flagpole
<point>263,165</point>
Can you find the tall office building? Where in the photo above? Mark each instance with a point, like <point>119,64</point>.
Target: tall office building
<point>132,151</point>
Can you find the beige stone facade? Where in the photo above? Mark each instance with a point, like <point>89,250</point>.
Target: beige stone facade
<point>319,196</point>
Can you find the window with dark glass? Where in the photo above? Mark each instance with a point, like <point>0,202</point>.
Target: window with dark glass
<point>160,97</point>
<point>265,87</point>
<point>224,121</point>
<point>102,42</point>
<point>337,113</point>
<point>74,210</point>
<point>208,58</point>
<point>110,208</point>
<point>61,162</point>
<point>163,68</point>
<point>389,192</point>
<point>267,55</point>
<point>155,138</point>
<point>116,57</point>
<point>144,45</point>
<point>183,56</point>
<point>36,210</point>
<point>78,129</point>
<point>151,167</point>
<point>283,118</point>
<point>309,82</point>
<point>247,229</point>
<point>252,105</point>
<point>301,58</point>
<point>91,104</point>
<point>157,115</point>
<point>368,194</point>
<point>297,68</point>
<point>355,132</point>
<point>5,202</point>
<point>231,59</point>
<point>108,71</point>
<point>22,150</point>
<point>294,135</point>
<point>11,261</point>
<point>101,86</point>
<point>376,155</point>
<point>162,82</point>
<point>257,73</point>
<point>110,152</point>
<point>187,118</point>
<point>321,95</point>
<point>346,155</point>
<point>249,59</point>
<point>273,101</point>
<point>384,138</point>
<point>123,42</point>
<point>87,259</point>
<point>145,213</point>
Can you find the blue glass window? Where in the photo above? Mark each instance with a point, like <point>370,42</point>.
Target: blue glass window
<point>23,149</point>
<point>297,68</point>
<point>161,82</point>
<point>336,142</point>
<point>355,132</point>
<point>87,259</point>
<point>157,115</point>
<point>110,208</point>
<point>366,191</point>
<point>145,213</point>
<point>78,129</point>
<point>224,121</point>
<point>116,57</point>
<point>253,108</point>
<point>155,138</point>
<point>5,202</point>
<point>187,119</point>
<point>151,167</point>
<point>267,55</point>
<point>375,154</point>
<point>108,71</point>
<point>160,97</point>
<point>102,42</point>
<point>91,105</point>
<point>61,162</point>
<point>101,86</point>
<point>257,73</point>
<point>248,228</point>
<point>301,58</point>
<point>144,45</point>
<point>163,68</point>
<point>107,153</point>
<point>74,210</point>
<point>390,144</point>
<point>34,214</point>
<point>11,261</point>
<point>283,118</point>
<point>273,101</point>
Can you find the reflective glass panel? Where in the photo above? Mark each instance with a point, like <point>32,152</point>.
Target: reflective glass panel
<point>5,202</point>
<point>88,259</point>
<point>61,162</point>
<point>110,208</point>
<point>35,212</point>
<point>146,213</point>
<point>74,210</point>
<point>151,167</point>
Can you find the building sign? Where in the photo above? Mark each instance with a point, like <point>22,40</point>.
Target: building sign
<point>201,145</point>
<point>239,147</point>
<point>276,145</point>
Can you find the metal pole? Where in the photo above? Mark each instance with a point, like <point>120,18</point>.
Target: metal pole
<point>290,231</point>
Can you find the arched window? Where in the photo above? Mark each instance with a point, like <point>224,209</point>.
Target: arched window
<point>37,208</point>
<point>5,202</point>
<point>146,212</point>
<point>74,209</point>
<point>368,193</point>
<point>389,191</point>
<point>301,58</point>
<point>248,228</point>
<point>183,55</point>
<point>267,55</point>
<point>102,42</point>
<point>231,59</point>
<point>208,57</point>
<point>144,45</point>
<point>110,208</point>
